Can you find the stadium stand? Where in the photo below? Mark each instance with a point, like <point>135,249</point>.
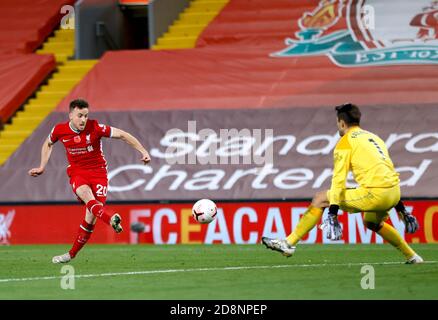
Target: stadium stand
<point>23,71</point>
<point>26,24</point>
<point>184,32</point>
<point>233,66</point>
<point>20,75</point>
<point>254,23</point>
<point>215,78</point>
<point>61,44</point>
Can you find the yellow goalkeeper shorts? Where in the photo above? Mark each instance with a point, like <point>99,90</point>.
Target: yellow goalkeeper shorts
<point>375,202</point>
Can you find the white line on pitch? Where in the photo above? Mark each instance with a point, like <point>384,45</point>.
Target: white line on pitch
<point>113,274</point>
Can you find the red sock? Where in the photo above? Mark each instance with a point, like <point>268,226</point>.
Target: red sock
<point>96,208</point>
<point>84,233</point>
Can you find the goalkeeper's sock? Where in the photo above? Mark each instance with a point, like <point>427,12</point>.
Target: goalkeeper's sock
<point>84,233</point>
<point>96,208</point>
<point>306,223</point>
<point>391,235</point>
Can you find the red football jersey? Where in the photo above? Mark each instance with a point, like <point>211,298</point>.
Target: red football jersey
<point>83,148</point>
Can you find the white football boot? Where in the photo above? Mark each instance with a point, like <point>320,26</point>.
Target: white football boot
<point>279,245</point>
<point>415,259</point>
<point>64,258</point>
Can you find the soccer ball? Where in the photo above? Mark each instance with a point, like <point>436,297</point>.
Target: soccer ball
<point>204,211</point>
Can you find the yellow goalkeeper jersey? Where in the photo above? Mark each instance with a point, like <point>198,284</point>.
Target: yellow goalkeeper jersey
<point>366,155</point>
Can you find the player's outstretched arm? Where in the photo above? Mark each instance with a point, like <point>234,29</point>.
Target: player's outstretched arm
<point>46,151</point>
<point>133,142</point>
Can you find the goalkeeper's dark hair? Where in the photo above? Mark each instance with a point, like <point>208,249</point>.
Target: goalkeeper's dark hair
<point>350,113</point>
<point>78,103</point>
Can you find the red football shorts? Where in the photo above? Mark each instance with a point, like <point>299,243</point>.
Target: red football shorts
<point>96,180</point>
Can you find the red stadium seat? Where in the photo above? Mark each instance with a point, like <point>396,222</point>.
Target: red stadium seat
<point>24,26</point>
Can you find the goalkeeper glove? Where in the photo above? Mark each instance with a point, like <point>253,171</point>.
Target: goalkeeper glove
<point>409,220</point>
<point>331,225</point>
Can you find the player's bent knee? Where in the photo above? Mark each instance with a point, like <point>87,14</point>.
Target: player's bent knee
<point>319,194</point>
<point>323,196</point>
<point>320,199</point>
<point>373,226</point>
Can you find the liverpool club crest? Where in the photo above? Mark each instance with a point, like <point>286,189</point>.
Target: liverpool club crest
<point>368,33</point>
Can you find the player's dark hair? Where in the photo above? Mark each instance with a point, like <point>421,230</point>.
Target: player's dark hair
<point>78,103</point>
<point>350,113</point>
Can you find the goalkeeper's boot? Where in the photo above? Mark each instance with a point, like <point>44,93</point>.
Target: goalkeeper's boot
<point>415,259</point>
<point>64,258</point>
<point>279,245</point>
<point>115,222</point>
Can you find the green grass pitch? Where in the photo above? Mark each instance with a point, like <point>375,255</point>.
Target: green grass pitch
<point>217,272</point>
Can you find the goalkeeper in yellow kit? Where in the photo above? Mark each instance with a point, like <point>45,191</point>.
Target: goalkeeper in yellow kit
<point>366,155</point>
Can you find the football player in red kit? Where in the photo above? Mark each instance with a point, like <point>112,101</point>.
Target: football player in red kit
<point>87,168</point>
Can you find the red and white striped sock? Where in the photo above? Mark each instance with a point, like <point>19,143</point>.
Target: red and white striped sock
<point>96,208</point>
